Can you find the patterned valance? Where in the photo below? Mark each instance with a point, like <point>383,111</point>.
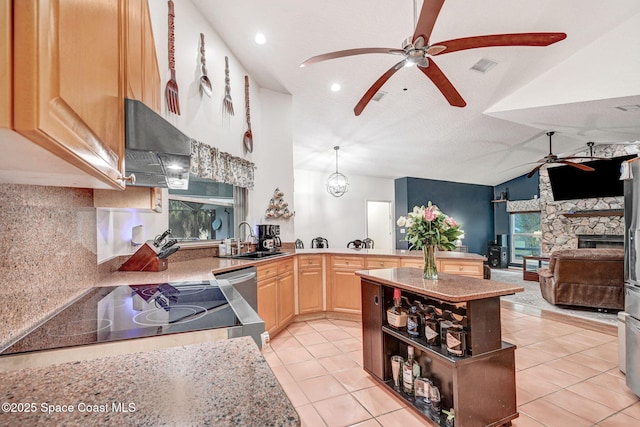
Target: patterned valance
<point>532,205</point>
<point>209,162</point>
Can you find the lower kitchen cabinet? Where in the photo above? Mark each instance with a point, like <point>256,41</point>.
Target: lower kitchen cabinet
<point>344,286</point>
<point>457,266</point>
<point>276,294</point>
<point>310,294</point>
<point>267,303</point>
<point>5,64</point>
<point>286,299</point>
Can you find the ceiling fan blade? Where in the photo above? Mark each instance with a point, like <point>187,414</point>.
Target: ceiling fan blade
<point>586,157</point>
<point>443,84</point>
<point>427,19</point>
<point>376,87</point>
<point>350,52</point>
<point>577,165</point>
<point>534,170</point>
<point>519,39</point>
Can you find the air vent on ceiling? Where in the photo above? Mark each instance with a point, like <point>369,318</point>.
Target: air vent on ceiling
<point>378,96</point>
<point>484,65</point>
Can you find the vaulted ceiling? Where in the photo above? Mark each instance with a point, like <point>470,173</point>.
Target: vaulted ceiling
<point>572,87</point>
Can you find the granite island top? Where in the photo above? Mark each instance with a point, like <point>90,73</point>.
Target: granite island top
<point>222,383</point>
<point>449,287</point>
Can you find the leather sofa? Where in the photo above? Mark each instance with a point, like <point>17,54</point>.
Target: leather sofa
<point>584,277</point>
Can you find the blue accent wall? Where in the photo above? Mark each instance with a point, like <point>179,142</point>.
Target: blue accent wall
<point>469,204</point>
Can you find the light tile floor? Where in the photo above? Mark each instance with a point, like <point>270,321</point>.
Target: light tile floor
<point>566,376</point>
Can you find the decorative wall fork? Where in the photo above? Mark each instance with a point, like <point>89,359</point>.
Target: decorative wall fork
<point>171,90</point>
<point>227,103</point>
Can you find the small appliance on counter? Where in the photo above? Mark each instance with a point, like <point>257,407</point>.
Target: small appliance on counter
<point>152,256</point>
<point>269,238</point>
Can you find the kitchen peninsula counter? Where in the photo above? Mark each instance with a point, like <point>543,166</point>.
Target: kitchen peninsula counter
<point>222,383</point>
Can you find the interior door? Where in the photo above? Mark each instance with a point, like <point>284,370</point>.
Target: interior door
<point>379,224</point>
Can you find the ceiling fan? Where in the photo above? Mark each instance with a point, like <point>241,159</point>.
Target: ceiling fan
<point>417,50</point>
<point>552,158</point>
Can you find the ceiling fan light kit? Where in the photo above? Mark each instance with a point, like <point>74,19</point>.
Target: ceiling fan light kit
<point>337,183</point>
<point>419,51</point>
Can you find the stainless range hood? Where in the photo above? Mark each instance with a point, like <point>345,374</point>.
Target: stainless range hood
<point>156,152</point>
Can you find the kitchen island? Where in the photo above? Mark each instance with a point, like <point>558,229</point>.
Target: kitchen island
<point>477,378</point>
<point>222,383</point>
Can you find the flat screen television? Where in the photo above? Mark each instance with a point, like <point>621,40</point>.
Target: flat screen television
<point>569,183</point>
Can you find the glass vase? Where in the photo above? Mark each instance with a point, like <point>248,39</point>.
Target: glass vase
<point>430,271</point>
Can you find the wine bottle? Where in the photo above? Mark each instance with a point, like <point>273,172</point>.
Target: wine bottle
<point>414,322</point>
<point>410,371</point>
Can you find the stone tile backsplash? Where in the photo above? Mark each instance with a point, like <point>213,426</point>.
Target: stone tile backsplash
<point>48,253</point>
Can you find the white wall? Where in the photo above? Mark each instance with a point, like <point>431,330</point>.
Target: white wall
<point>202,118</point>
<point>338,219</point>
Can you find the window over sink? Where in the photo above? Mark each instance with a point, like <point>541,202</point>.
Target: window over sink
<point>207,211</point>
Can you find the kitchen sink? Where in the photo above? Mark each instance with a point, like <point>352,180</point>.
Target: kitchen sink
<point>258,255</point>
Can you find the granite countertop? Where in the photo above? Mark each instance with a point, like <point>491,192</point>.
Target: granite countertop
<point>201,269</point>
<point>449,287</point>
<point>389,253</point>
<point>222,383</point>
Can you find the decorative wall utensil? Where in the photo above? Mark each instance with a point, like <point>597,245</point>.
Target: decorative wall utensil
<point>171,90</point>
<point>205,83</point>
<point>248,136</point>
<point>278,207</point>
<point>227,103</point>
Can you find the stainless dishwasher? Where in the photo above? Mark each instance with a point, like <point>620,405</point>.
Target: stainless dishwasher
<point>246,283</point>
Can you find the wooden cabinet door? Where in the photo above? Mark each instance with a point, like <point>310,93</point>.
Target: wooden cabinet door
<point>310,290</point>
<point>67,70</point>
<point>286,299</point>
<point>5,64</point>
<point>133,35</point>
<point>151,83</point>
<point>268,303</point>
<point>345,291</point>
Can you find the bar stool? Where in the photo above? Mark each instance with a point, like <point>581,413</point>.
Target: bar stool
<point>319,242</point>
<point>356,244</point>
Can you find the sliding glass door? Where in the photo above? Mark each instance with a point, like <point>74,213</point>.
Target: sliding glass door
<point>526,235</point>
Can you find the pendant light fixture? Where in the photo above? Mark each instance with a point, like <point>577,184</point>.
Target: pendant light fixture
<point>337,183</point>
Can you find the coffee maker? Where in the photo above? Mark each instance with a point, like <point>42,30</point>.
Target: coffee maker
<point>268,237</point>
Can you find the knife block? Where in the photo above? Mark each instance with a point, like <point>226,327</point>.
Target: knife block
<point>144,259</point>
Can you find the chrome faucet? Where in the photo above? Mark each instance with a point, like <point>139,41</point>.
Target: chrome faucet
<point>251,235</point>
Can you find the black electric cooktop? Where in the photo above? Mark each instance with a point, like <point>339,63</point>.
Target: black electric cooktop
<point>131,311</point>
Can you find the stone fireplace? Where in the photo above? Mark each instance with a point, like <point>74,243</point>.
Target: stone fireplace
<point>563,221</point>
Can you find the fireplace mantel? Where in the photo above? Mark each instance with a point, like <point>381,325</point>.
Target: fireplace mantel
<point>594,212</point>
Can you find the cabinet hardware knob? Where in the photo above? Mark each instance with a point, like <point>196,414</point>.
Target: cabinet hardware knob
<point>131,179</point>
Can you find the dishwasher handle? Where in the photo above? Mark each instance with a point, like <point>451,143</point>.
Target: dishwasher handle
<point>234,280</point>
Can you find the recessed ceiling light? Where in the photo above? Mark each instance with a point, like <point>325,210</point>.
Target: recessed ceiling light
<point>484,65</point>
<point>634,107</point>
<point>260,38</point>
<point>335,87</point>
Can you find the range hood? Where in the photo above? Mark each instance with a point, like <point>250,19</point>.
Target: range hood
<point>156,152</point>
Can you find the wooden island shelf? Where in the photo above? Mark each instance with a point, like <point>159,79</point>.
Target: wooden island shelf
<point>479,386</point>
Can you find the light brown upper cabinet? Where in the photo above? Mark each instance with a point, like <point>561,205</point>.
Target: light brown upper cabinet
<point>5,64</point>
<point>67,84</point>
<point>63,88</point>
